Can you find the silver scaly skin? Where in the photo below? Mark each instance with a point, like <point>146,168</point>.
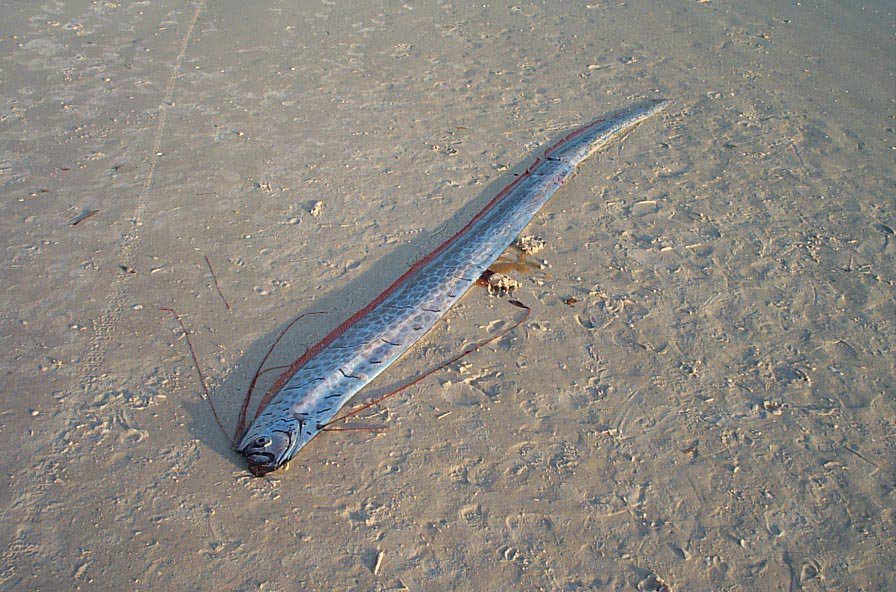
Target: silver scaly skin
<point>371,341</point>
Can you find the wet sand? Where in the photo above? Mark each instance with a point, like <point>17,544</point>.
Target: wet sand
<point>715,411</point>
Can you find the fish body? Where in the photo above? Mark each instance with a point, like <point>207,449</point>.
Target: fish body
<point>323,380</point>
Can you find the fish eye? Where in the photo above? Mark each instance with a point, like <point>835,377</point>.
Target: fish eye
<point>262,442</point>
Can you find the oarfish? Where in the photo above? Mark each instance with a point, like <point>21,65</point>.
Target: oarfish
<point>317,385</point>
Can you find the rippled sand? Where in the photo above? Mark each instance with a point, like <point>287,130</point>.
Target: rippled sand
<point>703,398</point>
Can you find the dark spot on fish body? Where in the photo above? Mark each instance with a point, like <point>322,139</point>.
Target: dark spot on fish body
<point>347,375</point>
<point>400,307</point>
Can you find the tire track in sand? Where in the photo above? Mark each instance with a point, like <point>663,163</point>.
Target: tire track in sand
<point>35,537</point>
<point>104,325</point>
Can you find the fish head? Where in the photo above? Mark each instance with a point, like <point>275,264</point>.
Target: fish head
<point>269,446</point>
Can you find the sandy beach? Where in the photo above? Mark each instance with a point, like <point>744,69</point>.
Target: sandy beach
<point>704,396</point>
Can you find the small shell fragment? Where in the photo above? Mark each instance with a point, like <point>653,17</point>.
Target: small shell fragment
<point>500,284</point>
<point>530,244</point>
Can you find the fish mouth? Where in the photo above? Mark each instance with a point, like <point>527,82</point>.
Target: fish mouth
<point>261,463</point>
<point>260,470</point>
